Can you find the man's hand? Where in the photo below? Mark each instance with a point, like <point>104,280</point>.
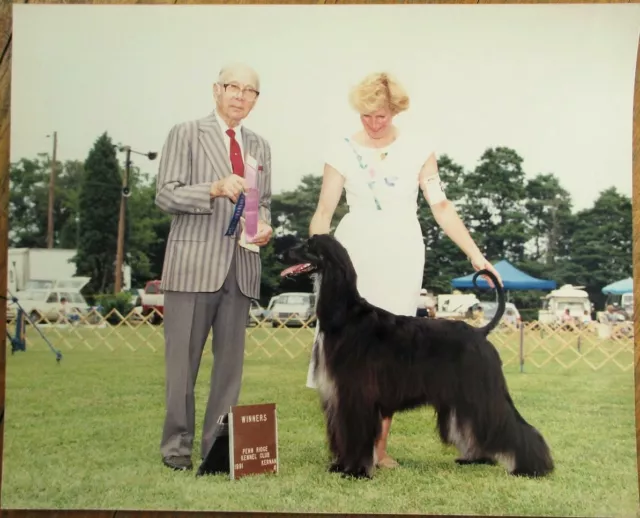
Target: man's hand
<point>480,263</point>
<point>230,187</point>
<point>263,235</point>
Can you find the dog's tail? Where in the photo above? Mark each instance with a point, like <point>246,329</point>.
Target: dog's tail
<point>530,455</point>
<point>501,302</point>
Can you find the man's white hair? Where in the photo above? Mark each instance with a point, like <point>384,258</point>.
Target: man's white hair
<point>230,68</point>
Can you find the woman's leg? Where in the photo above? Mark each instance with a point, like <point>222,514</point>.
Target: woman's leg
<point>384,460</point>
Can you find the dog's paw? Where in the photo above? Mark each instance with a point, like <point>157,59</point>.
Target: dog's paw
<point>358,473</point>
<point>336,467</point>
<point>483,460</point>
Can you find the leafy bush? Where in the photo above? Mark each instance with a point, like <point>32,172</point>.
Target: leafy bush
<point>108,302</point>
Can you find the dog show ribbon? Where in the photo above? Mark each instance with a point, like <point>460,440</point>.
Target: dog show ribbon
<point>247,202</point>
<point>235,218</point>
<point>252,198</point>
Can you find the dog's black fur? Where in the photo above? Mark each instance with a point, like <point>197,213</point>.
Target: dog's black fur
<point>371,364</point>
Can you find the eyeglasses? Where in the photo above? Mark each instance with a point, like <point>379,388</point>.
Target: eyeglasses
<point>248,93</point>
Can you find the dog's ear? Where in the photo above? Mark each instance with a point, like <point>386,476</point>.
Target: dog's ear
<point>292,254</point>
<point>312,244</point>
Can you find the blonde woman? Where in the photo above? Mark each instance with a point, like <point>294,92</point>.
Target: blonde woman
<point>383,169</point>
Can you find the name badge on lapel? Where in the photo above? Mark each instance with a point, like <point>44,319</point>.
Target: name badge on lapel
<point>243,239</point>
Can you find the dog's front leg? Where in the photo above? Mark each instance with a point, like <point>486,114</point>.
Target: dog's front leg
<point>356,426</point>
<point>328,407</point>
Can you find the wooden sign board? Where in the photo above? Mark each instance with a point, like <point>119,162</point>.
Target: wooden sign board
<point>253,440</point>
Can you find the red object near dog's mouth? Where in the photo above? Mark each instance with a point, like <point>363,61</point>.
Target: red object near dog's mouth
<point>296,269</point>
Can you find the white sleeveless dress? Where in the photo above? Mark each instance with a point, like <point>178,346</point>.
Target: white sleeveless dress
<point>381,231</point>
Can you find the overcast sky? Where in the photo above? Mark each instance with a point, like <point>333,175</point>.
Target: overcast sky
<point>554,82</point>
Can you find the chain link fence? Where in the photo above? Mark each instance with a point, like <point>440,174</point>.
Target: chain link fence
<point>594,345</point>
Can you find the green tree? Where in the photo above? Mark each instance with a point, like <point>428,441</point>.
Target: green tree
<point>147,229</point>
<point>292,210</point>
<point>99,204</point>
<point>494,204</point>
<point>548,228</point>
<point>29,202</point>
<point>529,223</point>
<point>548,209</point>
<point>601,245</point>
<point>291,213</point>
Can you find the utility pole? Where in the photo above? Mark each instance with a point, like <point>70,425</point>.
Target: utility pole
<point>552,245</point>
<point>120,246</point>
<point>52,183</point>
<point>126,192</point>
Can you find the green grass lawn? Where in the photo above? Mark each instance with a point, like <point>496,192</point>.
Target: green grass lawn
<point>85,433</point>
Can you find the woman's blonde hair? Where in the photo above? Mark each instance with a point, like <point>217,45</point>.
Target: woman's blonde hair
<point>376,91</point>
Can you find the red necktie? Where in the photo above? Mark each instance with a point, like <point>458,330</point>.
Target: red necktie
<point>237,164</point>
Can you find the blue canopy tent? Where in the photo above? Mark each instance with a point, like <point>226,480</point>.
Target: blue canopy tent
<point>619,287</point>
<point>512,279</point>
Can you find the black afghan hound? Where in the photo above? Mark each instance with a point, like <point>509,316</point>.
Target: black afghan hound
<point>371,364</point>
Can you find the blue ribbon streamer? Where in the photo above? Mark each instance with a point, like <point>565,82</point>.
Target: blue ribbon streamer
<point>233,224</point>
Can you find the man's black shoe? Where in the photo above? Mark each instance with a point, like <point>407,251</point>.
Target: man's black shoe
<point>182,463</point>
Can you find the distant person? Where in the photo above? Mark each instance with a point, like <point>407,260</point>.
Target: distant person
<point>611,314</point>
<point>68,313</point>
<point>423,304</point>
<point>209,278</point>
<point>478,313</point>
<point>383,169</point>
<point>567,321</point>
<point>510,317</point>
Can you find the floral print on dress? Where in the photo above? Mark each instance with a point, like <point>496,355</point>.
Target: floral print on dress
<point>372,173</point>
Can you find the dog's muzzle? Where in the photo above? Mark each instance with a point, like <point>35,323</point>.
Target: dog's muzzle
<point>297,269</point>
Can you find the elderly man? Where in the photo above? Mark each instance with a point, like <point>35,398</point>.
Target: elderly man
<point>208,277</point>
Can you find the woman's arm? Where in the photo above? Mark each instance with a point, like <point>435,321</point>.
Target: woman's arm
<point>332,185</point>
<point>446,215</point>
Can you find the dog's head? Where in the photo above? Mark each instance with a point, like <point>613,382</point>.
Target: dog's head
<point>317,254</point>
<point>335,280</point>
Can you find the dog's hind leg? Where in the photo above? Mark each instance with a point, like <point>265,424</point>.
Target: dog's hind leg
<point>451,434</point>
<point>456,431</point>
<point>442,421</point>
<point>524,450</point>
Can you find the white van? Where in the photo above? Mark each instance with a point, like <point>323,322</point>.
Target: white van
<point>573,298</point>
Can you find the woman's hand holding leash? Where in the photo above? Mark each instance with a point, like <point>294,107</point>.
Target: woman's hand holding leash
<point>480,263</point>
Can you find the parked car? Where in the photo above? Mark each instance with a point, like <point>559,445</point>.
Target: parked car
<point>153,299</point>
<point>511,314</point>
<point>256,314</point>
<point>293,309</point>
<point>266,313</point>
<point>43,305</point>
